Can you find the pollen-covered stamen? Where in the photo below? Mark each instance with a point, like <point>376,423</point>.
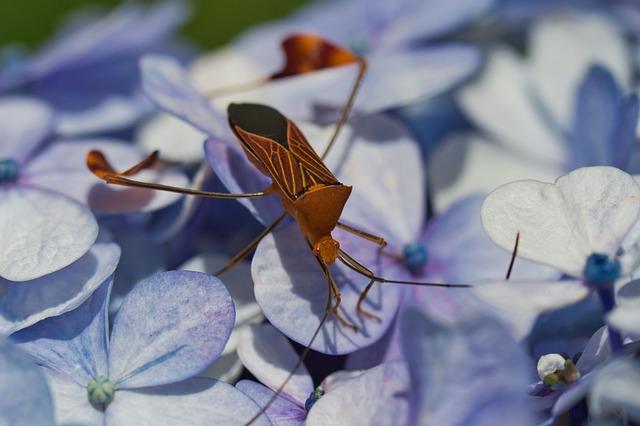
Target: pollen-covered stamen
<point>314,396</point>
<point>554,370</point>
<point>600,270</point>
<point>9,170</point>
<point>100,391</point>
<point>415,257</point>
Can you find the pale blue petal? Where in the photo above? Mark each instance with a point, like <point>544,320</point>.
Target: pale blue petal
<point>171,326</point>
<point>71,403</point>
<point>25,303</point>
<point>24,123</point>
<point>467,372</point>
<point>193,402</point>
<point>73,344</point>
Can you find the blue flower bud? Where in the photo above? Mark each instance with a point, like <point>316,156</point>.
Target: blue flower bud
<point>9,170</point>
<point>415,257</point>
<point>313,397</point>
<point>100,391</point>
<point>601,270</point>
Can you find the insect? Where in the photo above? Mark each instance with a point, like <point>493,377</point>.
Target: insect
<point>309,192</point>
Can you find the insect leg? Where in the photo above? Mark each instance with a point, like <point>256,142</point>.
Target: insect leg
<point>363,270</point>
<point>249,247</point>
<point>363,234</point>
<point>333,288</point>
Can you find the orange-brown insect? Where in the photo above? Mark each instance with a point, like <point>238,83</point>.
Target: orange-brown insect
<point>308,190</point>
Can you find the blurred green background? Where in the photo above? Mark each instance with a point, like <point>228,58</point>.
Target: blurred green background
<point>212,23</point>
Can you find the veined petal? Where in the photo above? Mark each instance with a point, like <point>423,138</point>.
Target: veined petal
<point>74,344</point>
<point>171,326</point>
<point>41,232</point>
<point>589,210</point>
<point>71,404</point>
<point>25,303</point>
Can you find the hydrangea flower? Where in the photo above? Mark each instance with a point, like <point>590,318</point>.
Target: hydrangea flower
<point>88,71</point>
<point>582,224</point>
<point>565,105</point>
<point>42,230</point>
<point>25,394</point>
<point>344,398</point>
<point>168,328</point>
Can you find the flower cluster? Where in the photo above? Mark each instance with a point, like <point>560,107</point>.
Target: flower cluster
<point>417,212</point>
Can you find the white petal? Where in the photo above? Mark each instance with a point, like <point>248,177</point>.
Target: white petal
<point>466,165</point>
<point>625,318</point>
<point>522,302</point>
<point>562,50</point>
<point>590,210</point>
<point>41,232</point>
<point>71,404</point>
<point>501,103</point>
<point>270,357</point>
<point>175,139</point>
<point>372,398</point>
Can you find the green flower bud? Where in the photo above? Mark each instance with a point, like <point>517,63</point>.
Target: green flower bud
<point>100,391</point>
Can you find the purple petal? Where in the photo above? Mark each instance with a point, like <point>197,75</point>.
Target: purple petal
<point>468,372</point>
<point>377,396</point>
<point>170,327</point>
<point>292,292</point>
<point>73,344</point>
<point>42,232</point>
<point>70,401</point>
<point>25,395</point>
<point>24,123</point>
<point>267,354</point>
<point>167,85</point>
<point>572,396</point>
<point>62,168</point>
<point>25,303</point>
<point>281,412</point>
<point>461,252</point>
<point>597,351</point>
<point>197,401</point>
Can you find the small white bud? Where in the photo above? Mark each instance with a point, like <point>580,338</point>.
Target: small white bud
<point>548,364</point>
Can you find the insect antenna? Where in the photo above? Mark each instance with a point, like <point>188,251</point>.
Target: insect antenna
<point>100,166</point>
<point>513,256</point>
<point>356,266</point>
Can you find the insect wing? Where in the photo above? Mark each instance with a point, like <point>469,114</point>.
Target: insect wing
<point>305,154</point>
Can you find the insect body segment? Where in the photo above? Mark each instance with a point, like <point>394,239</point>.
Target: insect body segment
<point>308,189</point>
